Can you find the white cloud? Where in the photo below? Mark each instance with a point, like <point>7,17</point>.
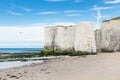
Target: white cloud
<point>99,15</point>
<point>55,0</point>
<point>73,15</point>
<point>21,36</point>
<point>73,11</point>
<point>24,9</point>
<point>76,1</point>
<point>46,13</point>
<point>31,35</point>
<point>64,23</point>
<point>43,24</point>
<point>14,13</point>
<point>112,1</point>
<point>40,24</point>
<point>102,8</point>
<point>20,8</point>
<point>53,24</point>
<point>14,7</point>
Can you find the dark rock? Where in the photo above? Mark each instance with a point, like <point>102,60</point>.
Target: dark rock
<point>13,76</point>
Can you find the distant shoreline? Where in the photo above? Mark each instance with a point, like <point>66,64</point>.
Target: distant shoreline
<point>26,56</point>
<point>20,52</point>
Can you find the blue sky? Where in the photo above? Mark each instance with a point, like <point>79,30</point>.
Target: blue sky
<point>24,12</point>
<point>39,13</point>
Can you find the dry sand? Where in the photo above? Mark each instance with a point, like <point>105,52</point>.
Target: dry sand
<point>104,66</point>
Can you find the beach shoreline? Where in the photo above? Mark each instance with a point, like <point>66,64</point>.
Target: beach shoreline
<point>103,66</point>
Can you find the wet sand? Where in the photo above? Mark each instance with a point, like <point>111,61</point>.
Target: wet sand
<point>103,66</point>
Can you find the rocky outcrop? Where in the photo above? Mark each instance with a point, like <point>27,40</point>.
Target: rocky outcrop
<point>79,38</point>
<point>84,37</point>
<point>110,32</point>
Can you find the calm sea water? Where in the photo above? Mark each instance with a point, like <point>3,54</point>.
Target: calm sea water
<point>19,50</point>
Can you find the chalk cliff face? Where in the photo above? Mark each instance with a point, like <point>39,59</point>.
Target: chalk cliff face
<point>98,39</point>
<point>59,37</point>
<point>64,38</point>
<point>79,38</point>
<point>49,37</point>
<point>84,37</point>
<point>110,32</point>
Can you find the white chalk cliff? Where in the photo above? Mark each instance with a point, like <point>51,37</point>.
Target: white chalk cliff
<point>110,32</point>
<point>79,38</point>
<point>64,38</point>
<point>84,37</point>
<point>108,37</point>
<point>49,37</point>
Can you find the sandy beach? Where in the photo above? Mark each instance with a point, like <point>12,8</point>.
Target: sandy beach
<point>103,66</point>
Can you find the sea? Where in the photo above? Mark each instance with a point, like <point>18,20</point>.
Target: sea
<point>14,64</point>
<point>19,50</point>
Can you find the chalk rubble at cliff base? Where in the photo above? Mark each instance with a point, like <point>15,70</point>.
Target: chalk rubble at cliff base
<point>79,37</point>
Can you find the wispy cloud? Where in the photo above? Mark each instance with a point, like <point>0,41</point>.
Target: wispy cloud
<point>73,15</point>
<point>99,15</point>
<point>73,11</point>
<point>53,24</point>
<point>64,23</point>
<point>55,0</point>
<point>46,13</point>
<point>24,9</point>
<point>112,1</point>
<point>102,8</point>
<point>14,13</point>
<point>76,1</point>
<point>21,36</point>
<point>39,24</point>
<point>20,8</point>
